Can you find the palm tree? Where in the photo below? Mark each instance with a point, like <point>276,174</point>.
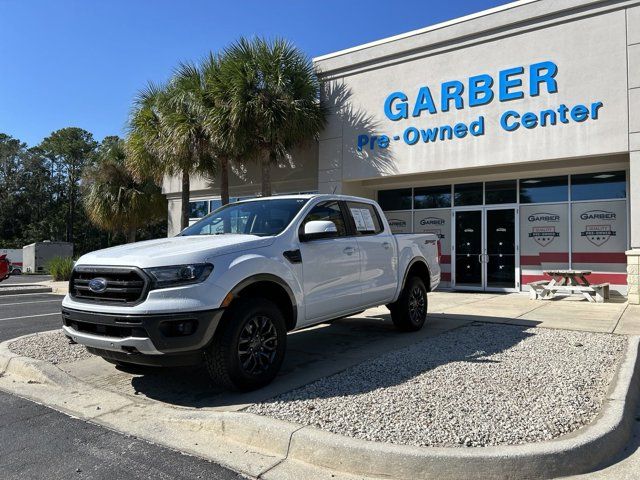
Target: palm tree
<point>167,134</point>
<point>114,199</point>
<point>272,94</point>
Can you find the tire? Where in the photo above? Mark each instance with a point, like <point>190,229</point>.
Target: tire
<point>409,312</point>
<point>248,349</point>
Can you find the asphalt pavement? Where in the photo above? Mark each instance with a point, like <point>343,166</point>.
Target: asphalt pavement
<point>22,279</point>
<point>37,442</point>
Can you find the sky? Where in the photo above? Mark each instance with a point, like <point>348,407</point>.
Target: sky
<point>80,63</point>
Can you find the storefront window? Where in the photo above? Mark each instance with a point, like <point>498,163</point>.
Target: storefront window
<point>599,186</point>
<point>467,194</point>
<point>544,190</point>
<point>432,197</point>
<point>399,199</point>
<point>503,191</point>
<point>214,205</point>
<point>198,209</point>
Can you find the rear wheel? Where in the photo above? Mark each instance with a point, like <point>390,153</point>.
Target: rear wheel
<point>248,349</point>
<point>409,312</point>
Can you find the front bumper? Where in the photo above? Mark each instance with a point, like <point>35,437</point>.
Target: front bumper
<point>137,338</point>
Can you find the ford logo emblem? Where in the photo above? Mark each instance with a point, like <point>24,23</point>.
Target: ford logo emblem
<point>98,285</point>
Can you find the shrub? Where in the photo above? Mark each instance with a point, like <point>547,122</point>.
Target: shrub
<point>60,268</point>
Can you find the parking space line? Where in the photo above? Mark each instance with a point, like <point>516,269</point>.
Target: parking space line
<point>30,303</point>
<point>31,316</point>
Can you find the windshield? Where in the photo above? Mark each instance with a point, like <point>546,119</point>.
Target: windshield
<point>257,217</point>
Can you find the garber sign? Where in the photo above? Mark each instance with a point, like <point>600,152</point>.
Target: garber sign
<point>475,92</point>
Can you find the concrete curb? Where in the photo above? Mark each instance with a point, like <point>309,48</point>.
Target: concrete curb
<point>24,289</point>
<point>275,449</point>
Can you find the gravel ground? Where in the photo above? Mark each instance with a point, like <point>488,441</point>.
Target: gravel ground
<point>475,386</point>
<point>50,346</point>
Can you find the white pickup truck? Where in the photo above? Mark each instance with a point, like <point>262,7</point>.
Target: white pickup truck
<point>227,289</point>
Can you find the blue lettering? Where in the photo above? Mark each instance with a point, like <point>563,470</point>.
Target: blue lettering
<point>396,111</point>
<point>480,85</point>
<point>429,135</point>
<point>547,114</point>
<point>505,118</point>
<point>411,136</point>
<point>477,128</point>
<point>362,141</point>
<point>424,102</point>
<point>383,141</point>
<point>446,131</point>
<point>579,113</point>
<point>452,91</point>
<point>595,106</point>
<point>460,130</point>
<point>536,77</point>
<point>529,120</point>
<point>507,83</point>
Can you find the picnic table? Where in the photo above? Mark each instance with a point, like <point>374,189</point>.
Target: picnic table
<point>569,281</point>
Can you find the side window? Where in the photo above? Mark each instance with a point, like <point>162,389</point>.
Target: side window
<point>327,211</point>
<point>365,218</point>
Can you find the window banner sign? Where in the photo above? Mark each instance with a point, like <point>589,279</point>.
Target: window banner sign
<point>400,222</point>
<point>437,222</point>
<point>544,239</point>
<point>599,237</point>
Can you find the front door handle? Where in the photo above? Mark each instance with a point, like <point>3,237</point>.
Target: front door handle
<point>349,250</point>
<point>386,245</point>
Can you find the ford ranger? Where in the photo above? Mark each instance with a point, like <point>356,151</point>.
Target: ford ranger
<point>227,289</point>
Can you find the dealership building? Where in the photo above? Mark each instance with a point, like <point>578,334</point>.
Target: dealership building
<point>513,134</point>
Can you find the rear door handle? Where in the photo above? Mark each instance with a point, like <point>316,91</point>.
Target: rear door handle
<point>349,250</point>
<point>386,245</point>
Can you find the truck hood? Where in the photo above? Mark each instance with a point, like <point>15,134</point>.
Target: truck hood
<point>174,250</point>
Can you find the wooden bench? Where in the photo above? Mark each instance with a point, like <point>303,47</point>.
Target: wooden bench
<point>537,288</point>
<point>602,292</point>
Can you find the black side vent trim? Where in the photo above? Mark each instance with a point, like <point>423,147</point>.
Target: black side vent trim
<point>294,256</point>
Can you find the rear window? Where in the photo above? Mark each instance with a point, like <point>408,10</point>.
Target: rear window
<point>365,218</point>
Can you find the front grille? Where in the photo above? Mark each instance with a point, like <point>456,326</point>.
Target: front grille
<point>117,331</point>
<point>124,285</point>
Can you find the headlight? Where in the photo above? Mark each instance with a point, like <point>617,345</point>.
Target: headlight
<point>177,275</point>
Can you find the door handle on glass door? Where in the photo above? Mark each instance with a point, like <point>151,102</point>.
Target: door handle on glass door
<point>349,250</point>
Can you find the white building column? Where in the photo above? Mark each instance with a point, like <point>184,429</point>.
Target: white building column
<point>633,68</point>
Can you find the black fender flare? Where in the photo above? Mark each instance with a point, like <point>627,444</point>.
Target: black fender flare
<point>411,264</point>
<point>268,277</point>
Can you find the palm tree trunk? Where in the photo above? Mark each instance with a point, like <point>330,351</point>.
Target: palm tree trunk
<point>184,219</point>
<point>224,180</point>
<point>266,174</point>
<point>131,234</point>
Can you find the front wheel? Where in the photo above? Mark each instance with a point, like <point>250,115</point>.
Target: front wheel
<point>409,312</point>
<point>247,351</point>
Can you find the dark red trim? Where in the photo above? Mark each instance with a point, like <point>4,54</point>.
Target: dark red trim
<point>544,257</point>
<point>445,276</point>
<point>445,259</point>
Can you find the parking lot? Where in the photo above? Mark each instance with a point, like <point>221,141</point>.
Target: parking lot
<point>24,314</point>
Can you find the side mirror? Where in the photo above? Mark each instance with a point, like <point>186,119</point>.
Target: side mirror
<point>318,229</point>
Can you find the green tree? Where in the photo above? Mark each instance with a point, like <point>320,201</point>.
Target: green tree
<point>272,93</point>
<point>69,151</point>
<point>166,133</point>
<point>116,201</point>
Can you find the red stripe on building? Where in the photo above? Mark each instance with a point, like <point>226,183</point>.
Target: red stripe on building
<point>445,259</point>
<point>445,276</point>
<point>613,278</point>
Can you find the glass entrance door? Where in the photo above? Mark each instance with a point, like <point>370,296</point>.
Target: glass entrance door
<point>485,249</point>
<point>468,249</point>
<point>500,256</point>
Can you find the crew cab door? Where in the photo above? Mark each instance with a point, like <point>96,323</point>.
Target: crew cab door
<point>330,266</point>
<point>378,254</point>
